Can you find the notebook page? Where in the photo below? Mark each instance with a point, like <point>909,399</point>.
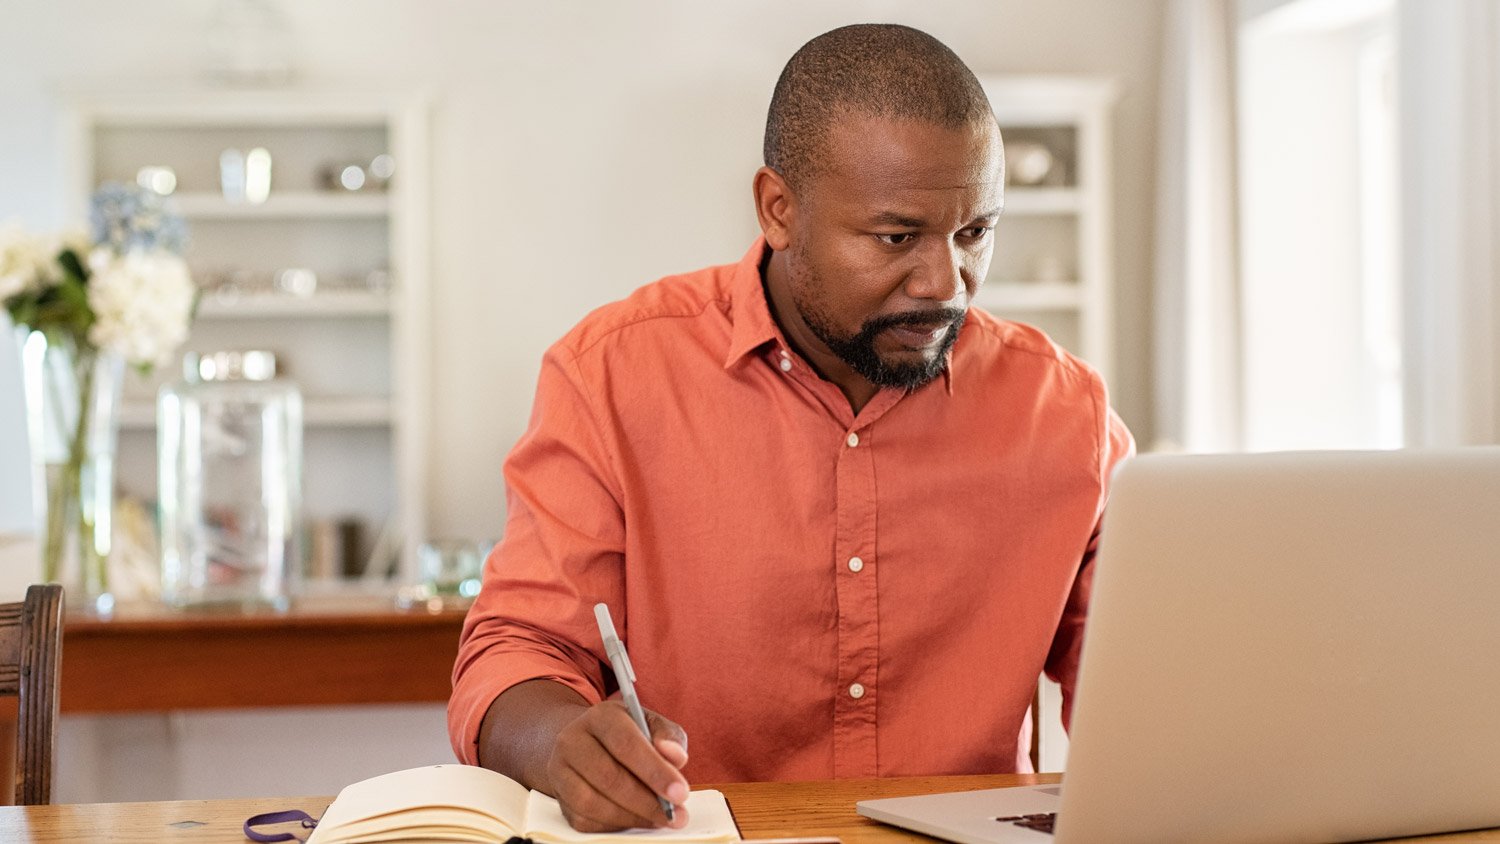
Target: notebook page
<point>447,823</point>
<point>377,803</point>
<point>708,820</point>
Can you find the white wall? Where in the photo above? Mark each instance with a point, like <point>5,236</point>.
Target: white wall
<point>580,149</point>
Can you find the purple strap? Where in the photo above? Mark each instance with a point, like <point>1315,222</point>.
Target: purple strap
<point>307,822</point>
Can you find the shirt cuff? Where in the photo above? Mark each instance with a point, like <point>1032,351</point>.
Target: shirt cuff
<point>487,677</point>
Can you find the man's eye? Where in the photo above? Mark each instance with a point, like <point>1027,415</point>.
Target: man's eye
<point>976,232</point>
<point>896,239</point>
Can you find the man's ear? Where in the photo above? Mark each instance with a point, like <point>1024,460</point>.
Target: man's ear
<point>775,207</point>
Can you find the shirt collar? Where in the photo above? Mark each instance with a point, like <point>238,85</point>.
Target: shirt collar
<point>751,314</point>
<point>749,311</point>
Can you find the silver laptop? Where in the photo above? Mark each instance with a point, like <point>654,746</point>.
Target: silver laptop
<point>1283,647</point>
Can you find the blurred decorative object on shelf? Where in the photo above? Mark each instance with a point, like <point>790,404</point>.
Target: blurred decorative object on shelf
<point>450,569</point>
<point>297,281</point>
<point>343,178</point>
<point>352,552</point>
<point>354,176</point>
<point>157,179</point>
<point>322,549</point>
<point>84,305</point>
<point>335,548</point>
<point>228,285</point>
<point>249,43</point>
<point>257,176</point>
<point>382,168</point>
<point>378,279</point>
<point>1027,163</point>
<point>229,452</point>
<point>232,175</point>
<point>226,288</point>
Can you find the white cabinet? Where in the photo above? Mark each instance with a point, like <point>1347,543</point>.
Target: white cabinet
<point>1054,258</point>
<point>357,343</point>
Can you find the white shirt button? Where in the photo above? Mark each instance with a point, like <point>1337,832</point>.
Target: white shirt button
<point>855,564</point>
<point>856,691</point>
<point>853,439</point>
<point>786,364</point>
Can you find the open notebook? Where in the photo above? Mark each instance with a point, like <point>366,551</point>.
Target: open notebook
<point>462,803</point>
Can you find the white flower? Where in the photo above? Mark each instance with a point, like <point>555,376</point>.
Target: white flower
<point>142,303</point>
<point>24,261</point>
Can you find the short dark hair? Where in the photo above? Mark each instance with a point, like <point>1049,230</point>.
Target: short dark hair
<point>872,70</point>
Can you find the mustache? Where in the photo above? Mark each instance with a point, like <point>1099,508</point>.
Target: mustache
<point>940,316</point>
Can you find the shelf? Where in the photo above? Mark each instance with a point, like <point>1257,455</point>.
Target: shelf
<point>323,651</point>
<point>1030,296</point>
<point>280,206</point>
<point>1019,200</point>
<point>361,363</point>
<point>338,303</point>
<point>354,412</point>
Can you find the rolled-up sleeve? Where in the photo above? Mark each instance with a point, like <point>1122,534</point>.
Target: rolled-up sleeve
<point>1116,444</point>
<point>562,552</point>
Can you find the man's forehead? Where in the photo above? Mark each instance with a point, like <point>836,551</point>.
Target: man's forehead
<point>901,166</point>
<point>913,153</point>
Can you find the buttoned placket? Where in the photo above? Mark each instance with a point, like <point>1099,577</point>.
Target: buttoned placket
<point>854,728</point>
<point>855,733</point>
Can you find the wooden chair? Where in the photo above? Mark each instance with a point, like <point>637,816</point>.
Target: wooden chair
<point>30,650</point>
<point>1036,728</point>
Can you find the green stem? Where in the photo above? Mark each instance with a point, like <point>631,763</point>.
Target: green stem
<point>88,555</point>
<point>60,490</point>
<point>65,493</point>
<point>57,519</point>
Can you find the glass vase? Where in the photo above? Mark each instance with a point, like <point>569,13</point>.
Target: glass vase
<point>73,425</point>
<point>229,454</point>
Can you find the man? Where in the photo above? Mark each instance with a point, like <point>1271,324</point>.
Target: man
<point>843,521</point>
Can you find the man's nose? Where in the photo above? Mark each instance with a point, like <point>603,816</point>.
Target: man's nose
<point>939,278</point>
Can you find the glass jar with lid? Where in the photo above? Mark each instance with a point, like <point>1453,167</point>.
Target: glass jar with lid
<point>229,452</point>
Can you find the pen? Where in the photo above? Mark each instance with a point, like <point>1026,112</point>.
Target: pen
<point>625,678</point>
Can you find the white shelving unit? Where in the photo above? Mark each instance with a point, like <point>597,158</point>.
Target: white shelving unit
<point>358,345</point>
<point>340,303</point>
<point>288,206</point>
<point>1054,257</point>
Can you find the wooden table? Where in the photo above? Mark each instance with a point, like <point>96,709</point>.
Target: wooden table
<point>763,810</point>
<point>336,650</point>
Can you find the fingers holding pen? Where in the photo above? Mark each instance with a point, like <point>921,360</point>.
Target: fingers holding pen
<point>644,761</point>
<point>608,777</point>
<point>588,808</point>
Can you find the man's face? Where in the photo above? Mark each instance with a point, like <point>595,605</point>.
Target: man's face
<point>892,238</point>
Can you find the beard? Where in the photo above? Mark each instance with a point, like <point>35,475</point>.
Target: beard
<point>858,350</point>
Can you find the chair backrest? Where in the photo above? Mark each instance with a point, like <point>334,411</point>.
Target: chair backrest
<point>30,653</point>
<point>1036,727</point>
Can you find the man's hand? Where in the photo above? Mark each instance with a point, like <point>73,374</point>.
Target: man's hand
<point>593,759</point>
<point>608,777</point>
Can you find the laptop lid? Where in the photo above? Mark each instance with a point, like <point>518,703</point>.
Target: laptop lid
<point>1291,647</point>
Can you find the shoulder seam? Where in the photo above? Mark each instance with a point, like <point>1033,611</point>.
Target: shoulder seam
<point>1067,364</point>
<point>640,318</point>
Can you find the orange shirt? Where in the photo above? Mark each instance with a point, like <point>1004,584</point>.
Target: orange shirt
<point>811,594</point>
